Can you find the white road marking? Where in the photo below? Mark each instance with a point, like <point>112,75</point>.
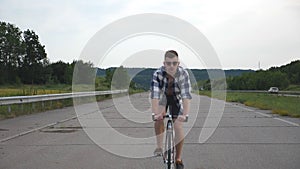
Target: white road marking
<point>267,115</point>
<point>292,123</point>
<point>263,114</point>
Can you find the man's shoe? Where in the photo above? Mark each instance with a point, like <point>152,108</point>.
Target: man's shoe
<point>179,165</point>
<point>158,152</point>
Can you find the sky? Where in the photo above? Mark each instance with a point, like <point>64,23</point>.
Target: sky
<point>244,34</point>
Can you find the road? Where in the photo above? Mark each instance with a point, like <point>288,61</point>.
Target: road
<point>244,138</point>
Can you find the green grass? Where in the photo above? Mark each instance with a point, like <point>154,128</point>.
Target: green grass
<point>293,88</point>
<point>285,106</point>
<point>28,90</point>
<point>15,110</point>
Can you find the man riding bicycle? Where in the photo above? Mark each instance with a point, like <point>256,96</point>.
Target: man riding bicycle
<point>171,87</point>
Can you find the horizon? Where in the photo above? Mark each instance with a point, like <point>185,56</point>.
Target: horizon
<point>199,68</point>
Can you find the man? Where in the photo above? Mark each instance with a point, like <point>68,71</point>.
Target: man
<point>171,87</point>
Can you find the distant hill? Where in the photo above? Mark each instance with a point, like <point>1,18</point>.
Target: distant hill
<point>142,76</point>
<point>292,70</point>
<point>282,77</point>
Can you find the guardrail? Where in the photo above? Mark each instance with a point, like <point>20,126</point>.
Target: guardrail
<point>39,98</point>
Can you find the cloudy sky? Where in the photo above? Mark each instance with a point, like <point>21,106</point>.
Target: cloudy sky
<point>244,34</point>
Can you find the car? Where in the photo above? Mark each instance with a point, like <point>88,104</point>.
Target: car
<point>273,90</point>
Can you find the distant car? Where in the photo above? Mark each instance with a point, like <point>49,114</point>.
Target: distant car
<point>273,90</point>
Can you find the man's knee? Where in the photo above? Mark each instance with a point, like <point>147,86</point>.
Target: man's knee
<point>178,126</point>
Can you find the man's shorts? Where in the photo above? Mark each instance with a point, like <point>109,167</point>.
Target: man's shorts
<point>171,103</point>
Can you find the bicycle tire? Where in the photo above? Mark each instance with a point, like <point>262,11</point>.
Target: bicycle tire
<point>168,152</point>
<point>169,148</point>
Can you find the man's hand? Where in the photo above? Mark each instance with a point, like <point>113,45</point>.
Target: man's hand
<point>159,116</point>
<point>182,118</point>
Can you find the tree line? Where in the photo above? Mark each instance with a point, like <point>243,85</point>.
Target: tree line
<point>280,77</point>
<point>23,60</point>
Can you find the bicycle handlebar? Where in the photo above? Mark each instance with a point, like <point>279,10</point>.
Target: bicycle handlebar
<point>170,116</point>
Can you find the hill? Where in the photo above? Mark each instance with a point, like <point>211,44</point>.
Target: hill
<point>281,77</point>
<point>142,76</point>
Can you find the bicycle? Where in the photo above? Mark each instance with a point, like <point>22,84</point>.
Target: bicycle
<point>169,151</point>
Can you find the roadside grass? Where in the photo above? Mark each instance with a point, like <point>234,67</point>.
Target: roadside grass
<point>15,110</point>
<point>293,88</point>
<point>28,90</point>
<point>282,105</point>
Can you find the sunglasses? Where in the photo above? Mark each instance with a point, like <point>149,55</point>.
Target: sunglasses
<point>169,63</point>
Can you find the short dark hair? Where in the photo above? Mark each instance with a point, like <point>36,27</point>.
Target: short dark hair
<point>171,54</point>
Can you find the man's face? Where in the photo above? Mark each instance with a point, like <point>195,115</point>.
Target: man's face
<point>171,65</point>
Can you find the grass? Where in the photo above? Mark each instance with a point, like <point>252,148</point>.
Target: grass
<point>15,110</point>
<point>284,106</point>
<point>293,88</point>
<point>28,90</point>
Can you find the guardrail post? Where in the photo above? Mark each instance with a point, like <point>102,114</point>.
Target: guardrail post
<point>9,109</point>
<point>43,105</point>
<point>22,107</point>
<point>33,106</point>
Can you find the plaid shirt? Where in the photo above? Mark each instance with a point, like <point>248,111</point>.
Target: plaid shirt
<point>181,86</point>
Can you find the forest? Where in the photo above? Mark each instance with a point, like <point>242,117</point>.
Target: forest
<point>281,77</point>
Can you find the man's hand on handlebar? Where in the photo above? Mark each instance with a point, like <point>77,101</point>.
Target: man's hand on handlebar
<point>158,117</point>
<point>182,118</point>
<point>161,116</point>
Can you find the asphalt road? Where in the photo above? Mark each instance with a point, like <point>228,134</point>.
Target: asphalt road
<point>119,133</point>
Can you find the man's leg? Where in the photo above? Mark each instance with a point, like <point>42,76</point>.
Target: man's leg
<point>179,139</point>
<point>159,129</point>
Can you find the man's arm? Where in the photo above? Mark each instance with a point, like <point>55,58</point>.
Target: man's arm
<point>155,106</point>
<point>155,96</point>
<point>186,94</point>
<point>157,110</point>
<point>186,106</point>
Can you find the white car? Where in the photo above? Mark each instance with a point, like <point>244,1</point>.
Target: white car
<point>273,90</point>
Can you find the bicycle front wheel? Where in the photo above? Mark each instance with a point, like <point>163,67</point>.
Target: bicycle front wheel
<point>169,151</point>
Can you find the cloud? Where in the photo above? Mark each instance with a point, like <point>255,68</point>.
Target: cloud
<point>239,30</point>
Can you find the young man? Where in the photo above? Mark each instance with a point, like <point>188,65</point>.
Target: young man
<point>170,87</point>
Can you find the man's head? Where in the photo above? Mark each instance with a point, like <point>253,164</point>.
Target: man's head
<point>171,61</point>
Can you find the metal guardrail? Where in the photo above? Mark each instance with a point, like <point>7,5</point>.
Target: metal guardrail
<point>38,98</point>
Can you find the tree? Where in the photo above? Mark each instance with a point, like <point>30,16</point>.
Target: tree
<point>34,62</point>
<point>120,79</point>
<point>260,80</point>
<point>11,48</point>
<point>59,72</point>
<point>109,75</point>
<point>84,73</point>
<point>293,71</point>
